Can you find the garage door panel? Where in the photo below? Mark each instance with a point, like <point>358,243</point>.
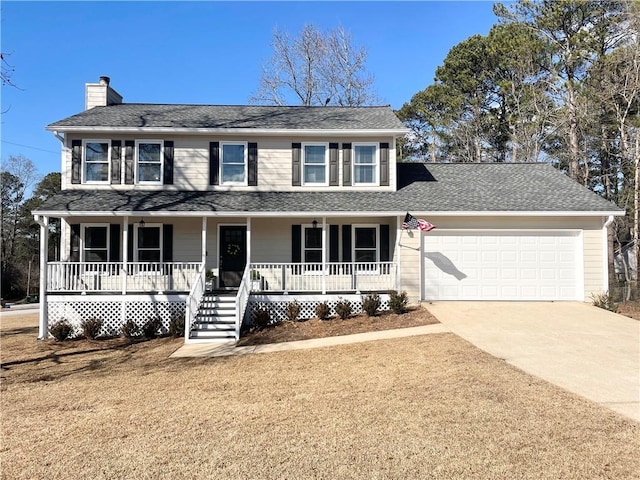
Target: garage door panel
<point>500,265</point>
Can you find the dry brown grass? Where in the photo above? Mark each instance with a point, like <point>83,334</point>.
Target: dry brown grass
<point>316,328</point>
<point>420,407</point>
<point>630,309</point>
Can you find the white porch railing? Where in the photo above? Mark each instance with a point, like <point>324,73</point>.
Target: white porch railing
<point>111,277</point>
<point>316,277</point>
<point>193,301</point>
<point>242,298</point>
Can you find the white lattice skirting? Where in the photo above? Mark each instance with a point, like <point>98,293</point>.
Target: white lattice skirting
<point>114,310</point>
<point>277,304</point>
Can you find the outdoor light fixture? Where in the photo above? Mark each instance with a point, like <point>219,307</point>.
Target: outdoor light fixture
<point>141,224</point>
<point>314,223</point>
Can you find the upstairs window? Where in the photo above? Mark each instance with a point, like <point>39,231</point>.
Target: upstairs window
<point>149,161</point>
<point>315,164</point>
<point>233,163</point>
<point>96,161</point>
<point>95,243</point>
<point>365,164</point>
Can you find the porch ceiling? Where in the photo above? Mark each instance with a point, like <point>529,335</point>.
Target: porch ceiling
<point>488,188</point>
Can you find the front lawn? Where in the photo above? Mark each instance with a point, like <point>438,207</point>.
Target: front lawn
<point>431,406</point>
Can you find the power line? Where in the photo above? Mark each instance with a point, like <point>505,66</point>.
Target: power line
<point>27,146</point>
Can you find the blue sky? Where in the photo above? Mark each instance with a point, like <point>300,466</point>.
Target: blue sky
<point>200,52</point>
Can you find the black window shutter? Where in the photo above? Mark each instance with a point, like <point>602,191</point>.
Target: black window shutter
<point>253,164</point>
<point>334,248</point>
<point>74,251</point>
<point>116,159</point>
<point>384,164</point>
<point>168,163</point>
<point>130,243</point>
<point>114,242</point>
<point>129,146</point>
<point>296,243</point>
<point>346,243</point>
<point>346,164</point>
<point>384,243</point>
<point>333,164</point>
<point>214,163</point>
<point>76,161</point>
<point>296,166</point>
<point>167,243</point>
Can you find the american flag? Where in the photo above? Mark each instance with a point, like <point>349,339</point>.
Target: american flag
<point>411,222</point>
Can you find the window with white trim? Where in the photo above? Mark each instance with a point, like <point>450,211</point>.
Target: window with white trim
<point>233,163</point>
<point>95,243</point>
<point>96,161</point>
<point>315,164</point>
<point>149,155</point>
<point>365,243</point>
<point>365,163</point>
<point>148,243</point>
<point>311,244</point>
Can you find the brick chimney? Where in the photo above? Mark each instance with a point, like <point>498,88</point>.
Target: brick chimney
<point>100,94</point>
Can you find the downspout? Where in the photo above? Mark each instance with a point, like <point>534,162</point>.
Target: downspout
<point>605,253</point>
<point>43,322</point>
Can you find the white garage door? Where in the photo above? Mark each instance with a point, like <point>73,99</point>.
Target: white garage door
<point>494,265</point>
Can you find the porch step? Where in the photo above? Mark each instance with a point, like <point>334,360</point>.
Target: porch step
<point>216,317</point>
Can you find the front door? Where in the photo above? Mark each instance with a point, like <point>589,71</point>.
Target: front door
<point>233,254</point>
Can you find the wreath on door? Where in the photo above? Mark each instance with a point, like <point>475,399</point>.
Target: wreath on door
<point>233,249</point>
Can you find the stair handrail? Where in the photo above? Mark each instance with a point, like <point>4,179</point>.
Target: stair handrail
<point>193,301</point>
<point>242,299</point>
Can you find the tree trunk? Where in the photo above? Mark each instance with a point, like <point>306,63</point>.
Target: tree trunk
<point>574,146</point>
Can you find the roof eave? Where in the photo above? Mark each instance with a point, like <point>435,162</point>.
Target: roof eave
<point>230,131</point>
<point>292,214</point>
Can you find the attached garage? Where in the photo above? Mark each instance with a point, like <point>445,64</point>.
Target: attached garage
<point>502,265</point>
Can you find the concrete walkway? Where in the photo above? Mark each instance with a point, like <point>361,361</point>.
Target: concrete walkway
<point>228,349</point>
<point>586,350</point>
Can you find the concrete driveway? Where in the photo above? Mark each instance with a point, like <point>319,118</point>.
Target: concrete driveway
<point>586,350</point>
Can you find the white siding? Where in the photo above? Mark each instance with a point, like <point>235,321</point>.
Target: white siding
<point>191,162</point>
<point>591,233</point>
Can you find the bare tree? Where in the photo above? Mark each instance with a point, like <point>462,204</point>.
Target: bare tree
<point>315,68</point>
<point>18,175</point>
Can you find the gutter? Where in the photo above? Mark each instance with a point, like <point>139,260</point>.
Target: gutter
<point>334,214</point>
<point>230,131</point>
<point>605,253</point>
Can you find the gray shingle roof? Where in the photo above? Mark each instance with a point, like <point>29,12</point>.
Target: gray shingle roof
<point>139,115</point>
<point>422,188</point>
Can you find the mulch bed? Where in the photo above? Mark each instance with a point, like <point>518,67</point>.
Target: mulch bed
<point>316,328</point>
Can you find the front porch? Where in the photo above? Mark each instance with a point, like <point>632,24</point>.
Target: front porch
<point>251,261</point>
<point>115,292</point>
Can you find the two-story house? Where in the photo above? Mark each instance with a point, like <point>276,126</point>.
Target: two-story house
<point>211,211</point>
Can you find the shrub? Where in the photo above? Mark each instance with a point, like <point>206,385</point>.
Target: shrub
<point>371,304</point>
<point>130,330</point>
<point>343,309</point>
<point>398,301</point>
<point>292,311</point>
<point>61,330</point>
<point>261,318</point>
<point>151,327</point>
<point>176,326</point>
<point>604,300</point>
<point>91,328</point>
<point>323,311</point>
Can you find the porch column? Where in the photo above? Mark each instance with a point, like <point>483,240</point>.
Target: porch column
<point>396,253</point>
<point>125,253</point>
<point>43,324</point>
<point>248,240</point>
<point>324,255</point>
<point>204,242</point>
